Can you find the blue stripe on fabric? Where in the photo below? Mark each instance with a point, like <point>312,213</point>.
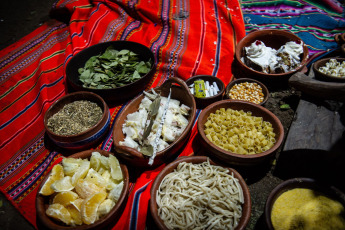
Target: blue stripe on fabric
<point>95,9</point>
<point>76,34</point>
<point>32,103</point>
<point>135,208</point>
<point>219,40</point>
<point>26,183</point>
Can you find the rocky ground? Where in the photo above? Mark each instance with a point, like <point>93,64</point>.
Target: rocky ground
<point>18,18</point>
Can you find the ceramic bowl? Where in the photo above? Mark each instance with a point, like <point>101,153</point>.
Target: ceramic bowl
<point>87,138</point>
<point>115,95</point>
<point>249,80</point>
<point>246,207</point>
<point>327,77</point>
<point>179,91</point>
<point>271,38</point>
<point>234,158</point>
<point>42,202</point>
<point>293,183</point>
<point>203,102</point>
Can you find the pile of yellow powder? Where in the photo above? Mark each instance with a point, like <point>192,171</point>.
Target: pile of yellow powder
<point>302,208</point>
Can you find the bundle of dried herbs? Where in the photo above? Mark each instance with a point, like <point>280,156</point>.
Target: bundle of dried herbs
<point>113,69</point>
<point>75,118</point>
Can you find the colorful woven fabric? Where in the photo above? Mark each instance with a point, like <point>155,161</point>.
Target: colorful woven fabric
<point>187,37</point>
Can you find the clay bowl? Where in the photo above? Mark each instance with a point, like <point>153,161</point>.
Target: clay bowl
<point>179,91</point>
<point>42,202</point>
<point>326,77</point>
<point>271,38</point>
<point>249,80</point>
<point>119,94</point>
<point>87,138</point>
<point>293,183</point>
<point>203,102</point>
<point>246,207</point>
<point>233,158</point>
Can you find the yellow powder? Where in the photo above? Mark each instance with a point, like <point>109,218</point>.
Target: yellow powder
<point>306,209</point>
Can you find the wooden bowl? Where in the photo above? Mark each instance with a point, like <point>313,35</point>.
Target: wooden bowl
<point>250,80</point>
<point>246,207</point>
<point>326,77</point>
<point>87,138</point>
<point>203,102</point>
<point>274,39</point>
<point>179,91</point>
<point>234,158</point>
<point>115,95</point>
<point>42,202</point>
<point>293,183</point>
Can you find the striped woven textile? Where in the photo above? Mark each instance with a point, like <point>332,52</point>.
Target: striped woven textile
<point>187,37</point>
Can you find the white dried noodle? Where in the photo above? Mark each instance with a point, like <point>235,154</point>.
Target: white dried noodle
<point>200,196</point>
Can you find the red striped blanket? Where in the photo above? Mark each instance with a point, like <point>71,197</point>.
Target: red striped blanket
<point>187,37</point>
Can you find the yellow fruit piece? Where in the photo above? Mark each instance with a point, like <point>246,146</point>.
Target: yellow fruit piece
<point>62,185</point>
<point>105,207</point>
<point>81,172</point>
<point>95,178</point>
<point>86,189</point>
<point>115,193</point>
<point>56,174</point>
<point>77,203</point>
<point>75,215</point>
<point>90,206</point>
<point>115,170</point>
<point>95,161</point>
<point>65,198</point>
<point>59,212</point>
<point>71,165</point>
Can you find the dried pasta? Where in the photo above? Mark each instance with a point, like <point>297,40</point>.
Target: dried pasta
<point>200,196</point>
<point>239,132</point>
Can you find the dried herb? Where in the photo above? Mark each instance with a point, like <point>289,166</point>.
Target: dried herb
<point>75,118</point>
<point>113,69</point>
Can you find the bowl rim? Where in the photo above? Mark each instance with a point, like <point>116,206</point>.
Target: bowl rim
<point>240,80</point>
<point>206,112</point>
<point>51,224</point>
<point>323,61</point>
<point>105,114</point>
<point>299,182</point>
<point>199,159</point>
<point>253,33</point>
<point>218,81</point>
<point>108,43</point>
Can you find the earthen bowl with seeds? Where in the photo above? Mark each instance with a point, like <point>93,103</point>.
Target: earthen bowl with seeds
<point>247,89</point>
<point>92,134</point>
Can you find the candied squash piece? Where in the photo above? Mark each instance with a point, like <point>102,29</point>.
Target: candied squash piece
<point>81,173</point>
<point>86,189</point>
<point>56,174</point>
<point>62,185</point>
<point>90,206</point>
<point>59,212</point>
<point>71,165</point>
<point>115,169</point>
<point>105,207</point>
<point>75,215</point>
<point>65,198</point>
<point>95,178</point>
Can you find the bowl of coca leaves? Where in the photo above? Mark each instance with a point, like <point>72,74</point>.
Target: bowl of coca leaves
<point>115,70</point>
<point>77,121</point>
